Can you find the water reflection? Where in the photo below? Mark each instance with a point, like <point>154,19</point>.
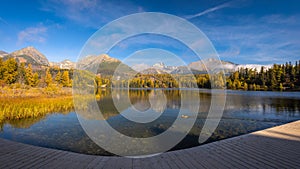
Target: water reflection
<point>244,112</point>
<point>22,123</point>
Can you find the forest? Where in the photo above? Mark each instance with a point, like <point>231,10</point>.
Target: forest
<point>51,80</point>
<point>21,78</point>
<point>278,78</point>
<point>285,77</point>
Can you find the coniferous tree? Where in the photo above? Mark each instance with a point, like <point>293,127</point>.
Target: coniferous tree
<point>36,80</point>
<point>29,80</point>
<point>10,72</point>
<point>21,73</point>
<point>65,80</point>
<point>1,69</point>
<point>245,86</point>
<point>58,77</point>
<point>48,78</point>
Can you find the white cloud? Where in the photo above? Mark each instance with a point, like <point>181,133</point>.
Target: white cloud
<point>33,34</point>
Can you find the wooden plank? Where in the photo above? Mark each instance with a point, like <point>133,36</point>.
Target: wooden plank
<point>222,156</point>
<point>25,162</point>
<point>186,160</point>
<point>269,154</point>
<point>244,155</point>
<point>20,157</point>
<point>99,162</point>
<point>48,158</point>
<point>52,161</point>
<point>270,148</point>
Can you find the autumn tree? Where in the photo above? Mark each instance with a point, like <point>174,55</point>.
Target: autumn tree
<point>1,69</point>
<point>65,79</point>
<point>245,86</point>
<point>58,77</point>
<point>36,80</point>
<point>21,73</point>
<point>29,80</point>
<point>48,78</point>
<point>10,72</point>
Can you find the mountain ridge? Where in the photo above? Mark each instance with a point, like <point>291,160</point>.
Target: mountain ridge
<point>29,55</point>
<point>65,64</point>
<point>108,63</point>
<point>2,53</point>
<point>197,67</point>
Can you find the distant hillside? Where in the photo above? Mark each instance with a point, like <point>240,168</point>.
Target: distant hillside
<point>104,64</point>
<point>153,71</point>
<point>195,67</point>
<point>29,55</point>
<point>65,64</point>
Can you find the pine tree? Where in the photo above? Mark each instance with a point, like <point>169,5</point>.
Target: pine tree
<point>36,80</point>
<point>58,77</point>
<point>293,74</point>
<point>1,69</point>
<point>65,80</point>
<point>29,80</point>
<point>48,78</point>
<point>21,73</point>
<point>245,86</point>
<point>10,72</point>
<point>229,84</point>
<point>237,84</point>
<point>280,87</point>
<point>254,87</point>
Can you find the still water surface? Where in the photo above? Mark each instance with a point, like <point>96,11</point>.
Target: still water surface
<point>245,112</point>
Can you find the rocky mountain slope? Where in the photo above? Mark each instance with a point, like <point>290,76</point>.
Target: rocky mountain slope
<point>65,64</point>
<point>29,55</point>
<point>3,53</point>
<point>104,64</point>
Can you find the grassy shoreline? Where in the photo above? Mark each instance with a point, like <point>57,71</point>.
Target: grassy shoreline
<point>11,92</point>
<point>31,103</point>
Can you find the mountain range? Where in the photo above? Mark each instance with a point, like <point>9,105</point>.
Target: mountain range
<point>197,67</point>
<point>31,55</point>
<point>107,65</point>
<point>65,64</point>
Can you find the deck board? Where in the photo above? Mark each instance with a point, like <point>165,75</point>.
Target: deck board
<point>277,147</point>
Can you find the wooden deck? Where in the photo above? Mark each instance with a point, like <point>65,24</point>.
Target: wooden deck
<point>277,147</point>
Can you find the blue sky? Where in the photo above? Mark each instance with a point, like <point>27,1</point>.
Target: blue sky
<point>242,31</point>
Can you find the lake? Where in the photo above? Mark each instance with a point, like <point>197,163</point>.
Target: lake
<point>244,112</point>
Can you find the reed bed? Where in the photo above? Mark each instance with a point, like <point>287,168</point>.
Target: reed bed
<point>12,92</point>
<point>33,107</point>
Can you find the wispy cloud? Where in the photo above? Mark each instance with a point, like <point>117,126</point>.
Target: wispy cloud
<point>215,8</point>
<point>232,52</point>
<point>267,39</point>
<point>33,34</point>
<point>3,21</point>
